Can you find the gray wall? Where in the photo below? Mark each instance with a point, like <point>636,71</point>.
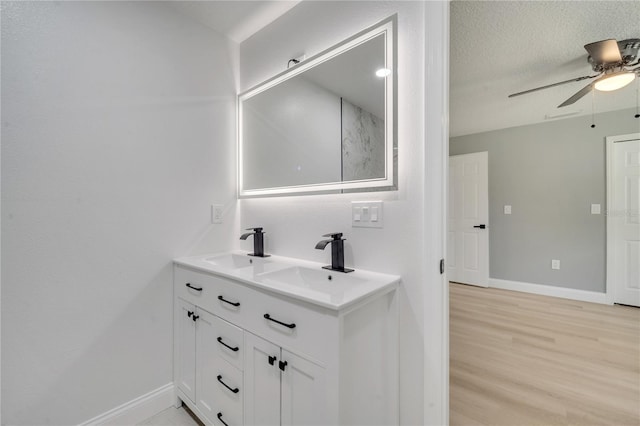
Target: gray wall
<point>550,173</point>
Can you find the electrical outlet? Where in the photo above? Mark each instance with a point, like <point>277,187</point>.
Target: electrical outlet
<point>555,264</point>
<point>217,211</point>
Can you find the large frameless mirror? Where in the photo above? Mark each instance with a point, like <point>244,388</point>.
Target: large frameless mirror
<point>325,125</point>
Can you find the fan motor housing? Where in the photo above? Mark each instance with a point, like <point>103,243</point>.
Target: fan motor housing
<point>629,51</point>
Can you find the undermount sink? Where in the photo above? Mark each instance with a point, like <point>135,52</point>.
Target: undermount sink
<point>314,279</point>
<point>236,261</point>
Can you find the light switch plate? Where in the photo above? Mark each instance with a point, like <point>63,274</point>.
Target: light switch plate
<point>367,214</point>
<point>555,264</point>
<point>595,208</point>
<point>507,209</point>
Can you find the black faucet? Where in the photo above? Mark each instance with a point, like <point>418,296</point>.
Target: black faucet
<point>258,241</point>
<point>337,252</point>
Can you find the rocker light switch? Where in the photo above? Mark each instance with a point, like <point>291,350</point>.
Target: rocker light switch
<point>595,208</point>
<point>366,214</point>
<point>357,211</point>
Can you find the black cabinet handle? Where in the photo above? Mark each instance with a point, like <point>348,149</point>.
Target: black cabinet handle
<point>282,365</point>
<point>483,226</point>
<point>189,313</point>
<point>236,390</point>
<point>192,287</point>
<point>272,359</point>
<point>227,346</point>
<point>222,421</point>
<point>292,325</point>
<point>236,304</point>
<point>195,317</point>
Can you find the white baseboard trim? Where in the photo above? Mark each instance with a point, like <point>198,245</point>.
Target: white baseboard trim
<point>138,409</point>
<point>547,290</point>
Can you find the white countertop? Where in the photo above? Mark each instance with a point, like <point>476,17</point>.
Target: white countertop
<point>299,279</point>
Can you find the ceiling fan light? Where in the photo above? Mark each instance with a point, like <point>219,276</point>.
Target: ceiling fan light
<point>615,82</point>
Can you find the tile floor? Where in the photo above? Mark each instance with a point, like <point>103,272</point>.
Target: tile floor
<point>173,417</point>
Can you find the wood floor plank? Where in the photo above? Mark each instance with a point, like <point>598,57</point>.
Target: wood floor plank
<point>524,359</point>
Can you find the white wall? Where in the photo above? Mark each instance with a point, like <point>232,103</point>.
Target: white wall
<point>117,133</point>
<point>294,224</point>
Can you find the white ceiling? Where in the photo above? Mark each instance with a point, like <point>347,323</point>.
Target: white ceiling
<point>237,19</point>
<point>503,47</point>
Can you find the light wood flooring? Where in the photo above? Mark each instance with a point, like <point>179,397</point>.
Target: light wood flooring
<point>523,359</point>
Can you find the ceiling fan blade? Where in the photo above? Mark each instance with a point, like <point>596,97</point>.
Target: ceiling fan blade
<point>554,85</point>
<point>604,51</point>
<point>586,89</point>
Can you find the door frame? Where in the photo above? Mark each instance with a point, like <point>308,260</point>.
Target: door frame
<point>610,140</point>
<point>435,299</point>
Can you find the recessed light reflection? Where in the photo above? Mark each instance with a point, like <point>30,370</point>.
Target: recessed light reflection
<point>383,72</point>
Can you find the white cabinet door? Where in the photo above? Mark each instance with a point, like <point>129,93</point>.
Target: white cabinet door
<point>261,382</point>
<point>206,363</point>
<point>304,392</point>
<point>186,349</point>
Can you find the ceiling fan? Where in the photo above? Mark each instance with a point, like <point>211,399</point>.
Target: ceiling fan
<point>616,62</point>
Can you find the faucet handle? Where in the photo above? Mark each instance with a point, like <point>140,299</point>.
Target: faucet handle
<point>335,236</point>
<point>254,229</point>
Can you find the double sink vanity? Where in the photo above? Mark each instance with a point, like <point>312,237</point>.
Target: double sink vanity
<point>269,340</point>
<point>281,341</point>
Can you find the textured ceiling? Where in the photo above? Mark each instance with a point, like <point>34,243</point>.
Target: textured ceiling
<point>503,47</point>
<point>236,19</point>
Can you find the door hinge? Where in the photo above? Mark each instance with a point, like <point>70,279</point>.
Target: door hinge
<point>441,266</point>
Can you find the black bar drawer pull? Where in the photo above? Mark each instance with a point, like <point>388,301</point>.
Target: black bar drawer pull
<point>483,226</point>
<point>222,421</point>
<point>292,325</point>
<point>236,390</point>
<point>227,346</point>
<point>192,287</point>
<point>236,304</point>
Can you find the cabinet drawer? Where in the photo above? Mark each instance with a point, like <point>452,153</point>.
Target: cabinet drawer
<point>231,301</point>
<point>193,286</point>
<point>296,326</point>
<point>228,394</point>
<point>230,343</point>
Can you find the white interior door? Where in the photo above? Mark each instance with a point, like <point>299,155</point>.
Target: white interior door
<point>623,221</point>
<point>468,233</point>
